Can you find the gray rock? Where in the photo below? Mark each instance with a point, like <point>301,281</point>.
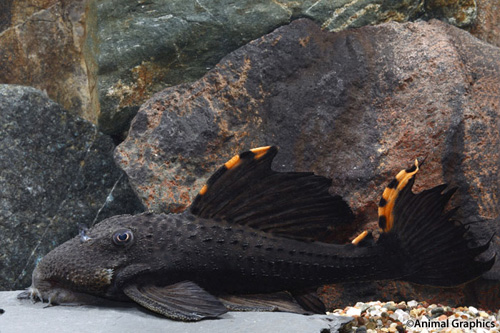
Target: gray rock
<point>361,329</point>
<point>437,311</point>
<point>56,171</point>
<point>24,316</point>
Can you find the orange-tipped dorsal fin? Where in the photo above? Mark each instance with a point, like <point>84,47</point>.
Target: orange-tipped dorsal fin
<point>391,192</point>
<point>246,191</point>
<point>233,162</point>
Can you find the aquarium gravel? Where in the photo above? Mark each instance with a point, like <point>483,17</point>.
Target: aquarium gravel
<point>416,316</point>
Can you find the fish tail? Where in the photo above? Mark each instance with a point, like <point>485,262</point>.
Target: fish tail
<point>430,245</point>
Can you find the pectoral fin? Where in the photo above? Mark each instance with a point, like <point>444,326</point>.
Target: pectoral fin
<point>181,301</point>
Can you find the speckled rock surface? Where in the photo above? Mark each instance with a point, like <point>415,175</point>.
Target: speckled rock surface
<point>356,106</point>
<point>487,24</point>
<point>56,171</point>
<point>461,13</point>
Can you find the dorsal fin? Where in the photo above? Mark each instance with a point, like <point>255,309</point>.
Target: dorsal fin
<point>246,191</point>
<point>390,194</point>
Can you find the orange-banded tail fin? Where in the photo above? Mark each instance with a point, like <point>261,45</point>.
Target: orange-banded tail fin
<point>434,248</point>
<point>245,190</point>
<point>391,192</point>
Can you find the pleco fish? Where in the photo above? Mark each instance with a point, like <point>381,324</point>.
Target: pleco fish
<point>249,242</point>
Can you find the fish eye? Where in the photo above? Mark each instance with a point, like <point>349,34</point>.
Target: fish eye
<point>123,237</point>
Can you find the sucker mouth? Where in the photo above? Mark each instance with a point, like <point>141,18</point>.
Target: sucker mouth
<point>53,295</point>
<point>46,291</point>
<point>57,295</point>
<point>32,294</point>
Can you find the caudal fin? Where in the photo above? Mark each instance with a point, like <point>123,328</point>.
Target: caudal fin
<point>435,249</point>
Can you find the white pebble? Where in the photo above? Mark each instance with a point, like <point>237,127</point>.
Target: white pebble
<point>400,315</point>
<point>374,312</point>
<point>353,312</point>
<point>473,310</point>
<point>412,304</point>
<point>393,316</point>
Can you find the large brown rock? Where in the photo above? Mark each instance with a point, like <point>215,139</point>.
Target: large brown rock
<point>356,106</point>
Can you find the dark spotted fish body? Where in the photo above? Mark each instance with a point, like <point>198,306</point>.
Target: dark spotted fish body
<point>249,236</point>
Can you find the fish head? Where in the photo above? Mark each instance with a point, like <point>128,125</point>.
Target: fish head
<point>90,264</point>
